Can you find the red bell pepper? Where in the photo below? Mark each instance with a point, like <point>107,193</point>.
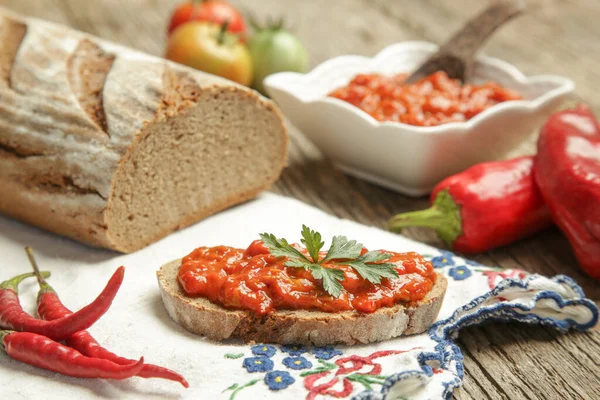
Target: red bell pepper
<point>567,171</point>
<point>486,206</point>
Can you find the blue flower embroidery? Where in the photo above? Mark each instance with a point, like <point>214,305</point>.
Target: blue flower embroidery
<point>263,350</point>
<point>445,259</point>
<point>293,350</point>
<point>296,363</point>
<point>277,380</point>
<point>460,273</point>
<point>326,353</point>
<point>258,364</point>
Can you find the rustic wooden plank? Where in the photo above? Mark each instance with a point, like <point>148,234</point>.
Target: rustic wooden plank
<point>478,382</point>
<point>501,361</point>
<point>566,372</point>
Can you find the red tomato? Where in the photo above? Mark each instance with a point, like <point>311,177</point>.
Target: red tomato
<point>216,11</point>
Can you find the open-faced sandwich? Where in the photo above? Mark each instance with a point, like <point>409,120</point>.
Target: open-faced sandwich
<point>280,293</point>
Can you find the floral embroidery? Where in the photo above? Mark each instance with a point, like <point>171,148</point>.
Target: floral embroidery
<point>264,350</point>
<point>473,263</point>
<point>460,273</point>
<point>356,363</point>
<point>297,363</point>
<point>233,356</point>
<point>367,380</point>
<point>314,388</point>
<point>258,364</point>
<point>238,388</point>
<point>447,253</point>
<point>336,379</point>
<point>293,350</point>
<point>354,368</point>
<point>495,277</point>
<point>445,259</point>
<point>326,353</point>
<point>277,380</point>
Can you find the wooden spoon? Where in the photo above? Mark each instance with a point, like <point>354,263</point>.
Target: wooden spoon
<point>456,56</point>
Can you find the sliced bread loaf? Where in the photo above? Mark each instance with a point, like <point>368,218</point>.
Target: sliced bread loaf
<point>117,148</point>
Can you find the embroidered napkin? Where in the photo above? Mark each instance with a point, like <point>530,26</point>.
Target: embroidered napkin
<point>426,366</point>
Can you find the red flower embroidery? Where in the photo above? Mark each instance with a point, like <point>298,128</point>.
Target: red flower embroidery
<point>314,389</point>
<point>495,277</point>
<point>316,385</point>
<point>355,363</point>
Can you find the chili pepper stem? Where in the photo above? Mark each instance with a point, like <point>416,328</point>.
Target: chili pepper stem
<point>13,283</point>
<point>443,217</point>
<point>44,286</point>
<point>3,334</point>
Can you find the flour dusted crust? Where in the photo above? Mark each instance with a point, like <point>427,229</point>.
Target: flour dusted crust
<point>314,328</point>
<point>116,148</point>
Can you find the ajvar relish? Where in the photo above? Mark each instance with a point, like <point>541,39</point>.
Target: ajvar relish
<point>254,279</point>
<point>433,100</point>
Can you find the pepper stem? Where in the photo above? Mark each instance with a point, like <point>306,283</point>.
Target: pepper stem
<point>44,286</point>
<point>13,283</point>
<point>3,334</point>
<point>443,216</point>
<point>221,37</point>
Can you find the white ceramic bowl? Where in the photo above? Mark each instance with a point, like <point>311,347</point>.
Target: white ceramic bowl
<point>406,158</point>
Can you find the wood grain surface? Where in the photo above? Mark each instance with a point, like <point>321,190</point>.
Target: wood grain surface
<point>554,37</point>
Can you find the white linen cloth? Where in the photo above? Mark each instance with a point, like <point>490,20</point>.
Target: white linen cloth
<point>426,366</point>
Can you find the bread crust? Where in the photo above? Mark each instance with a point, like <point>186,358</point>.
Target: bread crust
<point>312,328</point>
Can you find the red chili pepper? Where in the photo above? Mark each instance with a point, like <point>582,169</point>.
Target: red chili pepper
<point>486,206</point>
<point>51,308</point>
<point>567,171</point>
<point>43,352</point>
<point>12,316</point>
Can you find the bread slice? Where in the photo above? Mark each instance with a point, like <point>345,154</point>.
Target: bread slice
<point>313,328</point>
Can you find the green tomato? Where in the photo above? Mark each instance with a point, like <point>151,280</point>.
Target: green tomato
<point>274,50</point>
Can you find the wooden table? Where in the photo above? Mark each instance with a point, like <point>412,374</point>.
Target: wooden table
<point>555,37</point>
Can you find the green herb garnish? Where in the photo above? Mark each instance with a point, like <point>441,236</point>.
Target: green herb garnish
<point>341,252</point>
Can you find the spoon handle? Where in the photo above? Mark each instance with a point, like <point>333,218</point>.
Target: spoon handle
<point>456,55</point>
<point>475,33</point>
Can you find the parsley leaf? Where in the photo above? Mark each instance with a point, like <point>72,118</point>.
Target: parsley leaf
<point>331,279</point>
<point>341,247</point>
<point>281,248</point>
<point>367,269</point>
<point>368,265</point>
<point>312,241</point>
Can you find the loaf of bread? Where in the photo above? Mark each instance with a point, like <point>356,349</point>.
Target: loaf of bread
<point>116,148</point>
<point>312,328</point>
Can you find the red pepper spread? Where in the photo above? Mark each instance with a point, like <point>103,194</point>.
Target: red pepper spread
<point>433,100</point>
<point>255,280</point>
